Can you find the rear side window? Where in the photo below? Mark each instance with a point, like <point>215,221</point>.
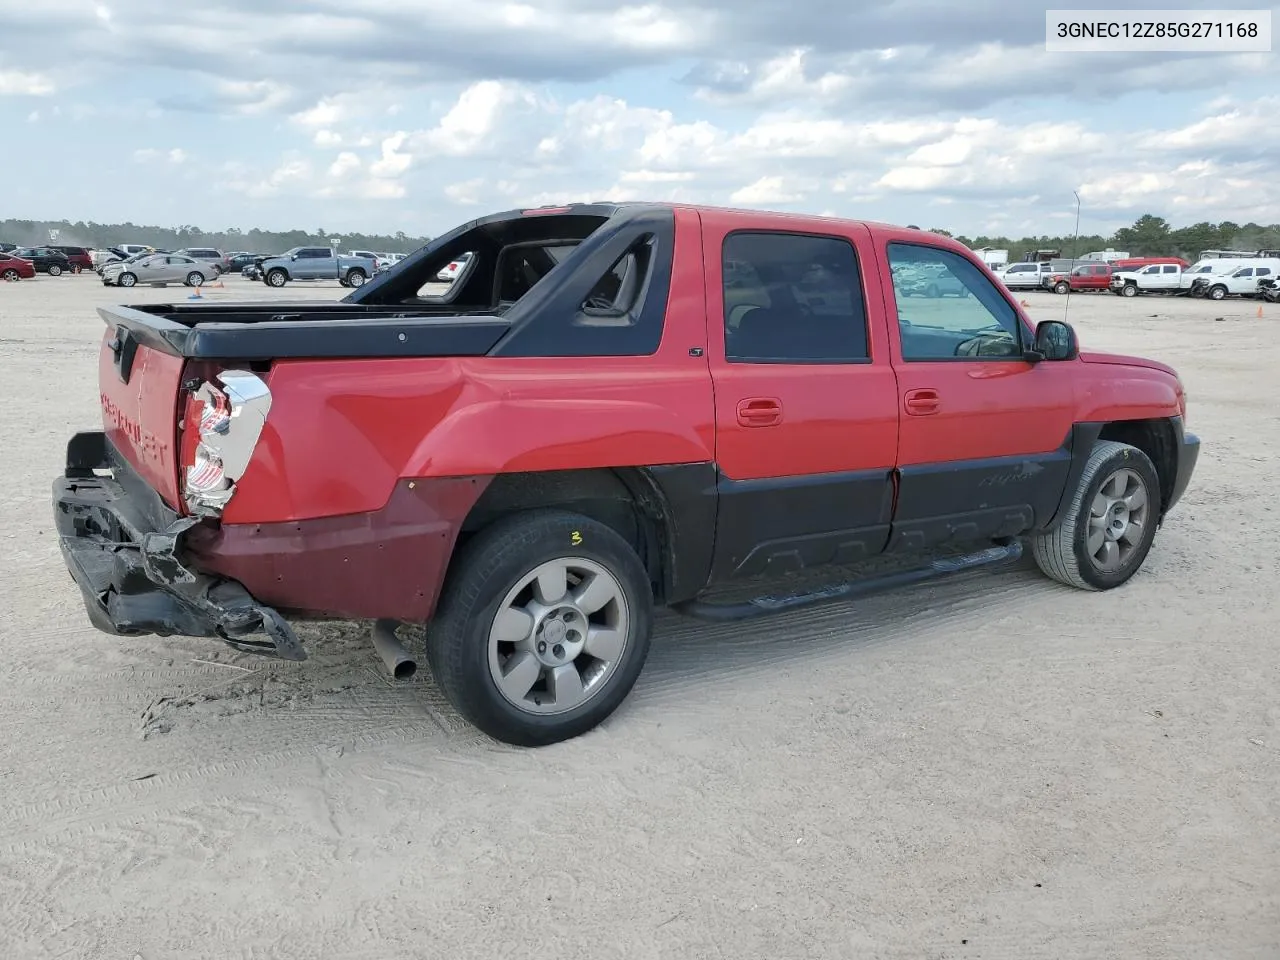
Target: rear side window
<point>792,298</point>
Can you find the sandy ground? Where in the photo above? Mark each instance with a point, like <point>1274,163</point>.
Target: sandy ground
<point>998,767</point>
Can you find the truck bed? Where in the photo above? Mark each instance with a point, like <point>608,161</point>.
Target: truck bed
<point>277,330</point>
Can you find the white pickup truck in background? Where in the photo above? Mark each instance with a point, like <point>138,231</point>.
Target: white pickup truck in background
<point>1240,282</point>
<point>1155,278</point>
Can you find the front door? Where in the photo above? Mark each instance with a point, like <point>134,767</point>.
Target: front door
<point>984,441</point>
<point>805,396</point>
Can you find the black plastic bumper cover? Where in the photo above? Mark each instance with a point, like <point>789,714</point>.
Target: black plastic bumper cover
<point>131,577</point>
<point>1188,455</point>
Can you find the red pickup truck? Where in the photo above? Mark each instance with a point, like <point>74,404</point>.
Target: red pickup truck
<point>612,407</point>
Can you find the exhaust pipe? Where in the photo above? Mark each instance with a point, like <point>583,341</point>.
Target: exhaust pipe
<point>392,651</point>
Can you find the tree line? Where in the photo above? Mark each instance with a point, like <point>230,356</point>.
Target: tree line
<point>102,235</point>
<point>1149,236</point>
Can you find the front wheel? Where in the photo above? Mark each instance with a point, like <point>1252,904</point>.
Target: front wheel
<point>277,278</point>
<point>1110,523</point>
<point>1129,290</point>
<point>1217,293</point>
<point>1062,287</point>
<point>127,280</point>
<point>543,628</point>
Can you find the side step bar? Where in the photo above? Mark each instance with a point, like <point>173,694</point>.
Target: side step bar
<point>761,606</point>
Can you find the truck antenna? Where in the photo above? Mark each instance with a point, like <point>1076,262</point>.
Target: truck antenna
<point>1075,252</point>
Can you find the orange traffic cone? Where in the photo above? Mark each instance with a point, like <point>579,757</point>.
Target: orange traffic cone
<point>1259,312</point>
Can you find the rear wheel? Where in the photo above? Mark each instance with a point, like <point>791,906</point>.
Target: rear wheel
<point>1110,523</point>
<point>355,278</point>
<point>11,276</point>
<point>543,628</point>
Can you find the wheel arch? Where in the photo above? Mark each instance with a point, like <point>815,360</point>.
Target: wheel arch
<point>1154,436</point>
<point>631,501</point>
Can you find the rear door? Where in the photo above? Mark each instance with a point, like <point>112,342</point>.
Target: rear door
<point>984,441</point>
<point>805,396</point>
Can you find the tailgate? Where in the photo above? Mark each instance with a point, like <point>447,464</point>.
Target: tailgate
<point>138,389</point>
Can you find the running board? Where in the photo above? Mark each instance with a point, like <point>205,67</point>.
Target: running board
<point>761,606</point>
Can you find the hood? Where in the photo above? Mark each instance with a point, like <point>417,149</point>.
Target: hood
<point>1122,360</point>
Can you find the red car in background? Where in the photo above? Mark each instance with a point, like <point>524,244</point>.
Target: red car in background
<point>15,268</point>
<point>79,257</point>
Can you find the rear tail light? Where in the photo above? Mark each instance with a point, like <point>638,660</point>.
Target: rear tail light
<point>228,421</point>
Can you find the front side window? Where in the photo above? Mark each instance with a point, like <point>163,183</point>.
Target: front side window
<point>948,309</point>
<point>792,298</point>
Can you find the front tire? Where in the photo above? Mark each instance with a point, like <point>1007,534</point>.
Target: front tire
<point>1217,293</point>
<point>543,628</point>
<point>1129,290</point>
<point>126,280</point>
<point>1110,523</point>
<point>55,270</point>
<point>277,278</point>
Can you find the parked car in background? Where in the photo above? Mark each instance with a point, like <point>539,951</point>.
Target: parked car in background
<point>383,260</point>
<point>1156,278</point>
<point>78,256</point>
<point>454,267</point>
<point>1241,282</point>
<point>45,260</point>
<point>210,255</point>
<point>15,268</point>
<point>1269,289</point>
<point>8,247</point>
<point>1086,276</point>
<point>1023,276</point>
<point>236,262</point>
<point>159,269</point>
<point>317,263</point>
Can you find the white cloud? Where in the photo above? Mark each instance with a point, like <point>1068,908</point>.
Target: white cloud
<point>475,118</point>
<point>19,83</point>
<point>254,97</point>
<point>467,192</point>
<point>323,114</point>
<point>327,138</point>
<point>765,191</point>
<point>176,155</point>
<point>346,163</point>
<point>393,162</point>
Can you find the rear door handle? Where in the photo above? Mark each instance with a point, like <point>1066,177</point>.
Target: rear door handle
<point>922,403</point>
<point>760,412</point>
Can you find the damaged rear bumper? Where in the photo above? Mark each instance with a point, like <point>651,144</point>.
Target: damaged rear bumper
<point>122,548</point>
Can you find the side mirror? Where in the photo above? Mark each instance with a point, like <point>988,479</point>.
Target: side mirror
<point>293,256</point>
<point>1055,340</point>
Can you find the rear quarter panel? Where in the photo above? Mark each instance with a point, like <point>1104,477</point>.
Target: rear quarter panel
<point>342,433</point>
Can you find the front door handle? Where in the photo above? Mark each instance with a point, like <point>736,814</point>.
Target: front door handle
<point>760,412</point>
<point>923,403</point>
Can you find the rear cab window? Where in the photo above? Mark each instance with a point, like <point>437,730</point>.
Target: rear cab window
<point>793,298</point>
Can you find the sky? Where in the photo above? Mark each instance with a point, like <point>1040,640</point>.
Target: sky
<point>417,115</point>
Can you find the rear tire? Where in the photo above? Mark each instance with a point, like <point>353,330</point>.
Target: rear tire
<point>12,276</point>
<point>1062,287</point>
<point>1110,523</point>
<point>355,278</point>
<point>488,626</point>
